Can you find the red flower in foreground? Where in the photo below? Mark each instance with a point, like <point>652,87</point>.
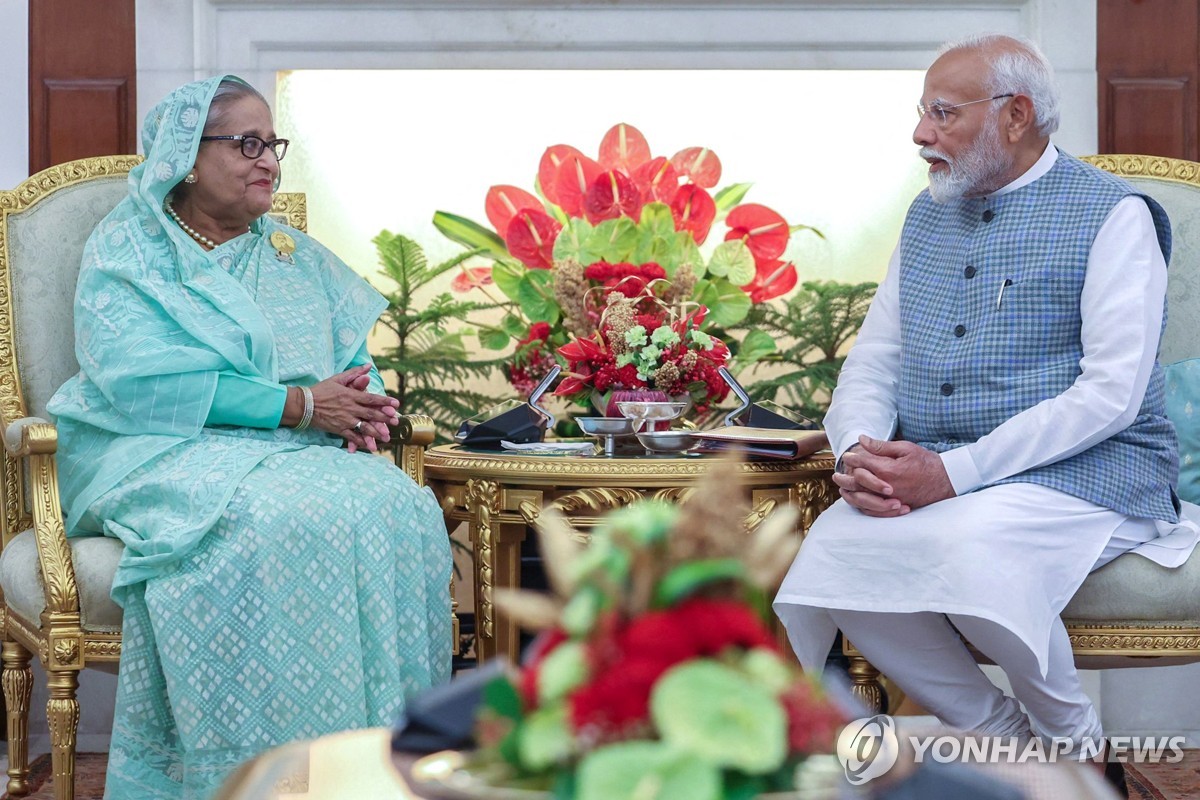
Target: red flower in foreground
<point>812,722</point>
<point>617,704</point>
<point>629,663</point>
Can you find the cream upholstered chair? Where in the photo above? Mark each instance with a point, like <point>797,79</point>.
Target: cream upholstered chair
<point>1132,612</point>
<point>56,592</point>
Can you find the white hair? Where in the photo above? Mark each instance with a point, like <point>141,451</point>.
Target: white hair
<point>1020,69</point>
<point>228,92</point>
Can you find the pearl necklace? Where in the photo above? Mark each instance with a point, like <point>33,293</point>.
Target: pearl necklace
<point>204,240</point>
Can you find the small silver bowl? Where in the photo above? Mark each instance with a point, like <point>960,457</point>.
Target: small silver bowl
<point>605,426</point>
<point>667,441</point>
<point>651,410</point>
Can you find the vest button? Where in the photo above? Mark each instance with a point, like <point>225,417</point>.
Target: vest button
<point>960,330</point>
<point>947,389</point>
<point>970,272</point>
<point>987,215</point>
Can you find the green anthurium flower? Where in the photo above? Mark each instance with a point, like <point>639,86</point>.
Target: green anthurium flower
<point>711,710</point>
<point>644,523</point>
<point>686,579</point>
<point>579,615</point>
<point>543,739</point>
<point>646,771</point>
<point>572,240</point>
<point>768,670</point>
<point>733,260</point>
<point>563,670</point>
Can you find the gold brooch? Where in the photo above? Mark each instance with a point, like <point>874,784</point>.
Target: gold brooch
<point>284,245</point>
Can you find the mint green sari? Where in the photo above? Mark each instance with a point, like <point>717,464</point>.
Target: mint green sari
<point>275,586</point>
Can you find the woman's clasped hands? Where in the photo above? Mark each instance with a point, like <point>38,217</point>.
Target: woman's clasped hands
<point>342,401</point>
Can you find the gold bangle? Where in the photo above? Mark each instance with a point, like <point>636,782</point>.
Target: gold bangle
<point>306,417</point>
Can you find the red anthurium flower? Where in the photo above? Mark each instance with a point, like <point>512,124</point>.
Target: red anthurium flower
<point>693,210</point>
<point>763,230</point>
<point>699,164</point>
<point>505,201</point>
<point>772,279</point>
<point>468,279</point>
<point>552,159</point>
<point>572,384</point>
<point>623,147</point>
<point>612,195</point>
<point>581,350</point>
<point>656,179</point>
<point>575,174</point>
<point>530,238</point>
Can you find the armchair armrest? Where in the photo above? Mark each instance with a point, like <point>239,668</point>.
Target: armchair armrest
<point>21,439</point>
<point>416,432</point>
<point>36,440</point>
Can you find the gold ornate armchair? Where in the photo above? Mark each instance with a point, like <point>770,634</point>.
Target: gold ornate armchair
<point>1132,612</point>
<point>56,592</point>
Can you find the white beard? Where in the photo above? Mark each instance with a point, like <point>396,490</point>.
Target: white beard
<point>975,171</point>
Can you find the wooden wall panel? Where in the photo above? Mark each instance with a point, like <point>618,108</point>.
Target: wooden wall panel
<point>1156,116</point>
<point>82,80</point>
<point>1148,66</point>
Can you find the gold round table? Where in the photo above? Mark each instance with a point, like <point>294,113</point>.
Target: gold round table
<point>500,494</point>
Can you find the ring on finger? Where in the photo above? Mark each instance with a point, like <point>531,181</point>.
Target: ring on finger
<point>358,426</point>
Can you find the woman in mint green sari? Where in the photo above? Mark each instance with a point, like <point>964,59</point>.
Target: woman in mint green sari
<point>276,585</point>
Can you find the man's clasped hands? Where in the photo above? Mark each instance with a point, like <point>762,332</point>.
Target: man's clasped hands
<point>888,479</point>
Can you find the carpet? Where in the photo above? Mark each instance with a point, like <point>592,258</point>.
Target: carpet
<point>1145,781</point>
<point>89,777</point>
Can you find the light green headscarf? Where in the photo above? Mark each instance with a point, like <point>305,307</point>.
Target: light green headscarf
<point>156,318</point>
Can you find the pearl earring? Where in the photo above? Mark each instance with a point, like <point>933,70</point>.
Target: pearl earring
<point>191,177</point>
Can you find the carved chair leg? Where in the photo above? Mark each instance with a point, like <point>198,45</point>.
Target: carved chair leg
<point>62,711</point>
<point>18,681</point>
<point>865,684</point>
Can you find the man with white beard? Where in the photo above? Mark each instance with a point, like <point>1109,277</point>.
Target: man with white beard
<point>999,422</point>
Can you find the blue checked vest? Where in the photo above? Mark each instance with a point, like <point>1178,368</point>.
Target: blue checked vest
<point>968,365</point>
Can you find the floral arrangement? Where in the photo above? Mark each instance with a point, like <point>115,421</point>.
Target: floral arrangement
<point>655,674</point>
<point>635,347</point>
<point>616,223</point>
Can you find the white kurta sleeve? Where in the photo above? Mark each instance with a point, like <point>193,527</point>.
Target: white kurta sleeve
<point>865,398</point>
<point>1121,305</point>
